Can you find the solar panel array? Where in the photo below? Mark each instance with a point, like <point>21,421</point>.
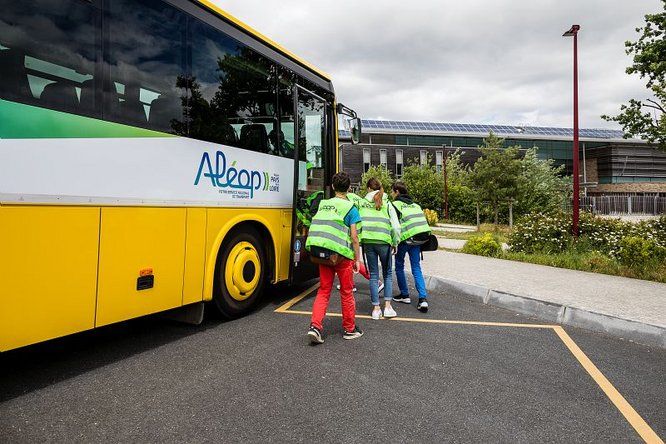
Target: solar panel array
<point>502,130</point>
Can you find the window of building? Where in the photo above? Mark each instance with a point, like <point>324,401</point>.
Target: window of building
<point>439,160</point>
<point>398,163</point>
<point>423,157</point>
<point>145,57</point>
<point>48,54</point>
<point>366,159</point>
<point>382,159</point>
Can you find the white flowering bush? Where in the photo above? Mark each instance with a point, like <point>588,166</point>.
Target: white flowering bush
<point>551,233</point>
<point>541,233</point>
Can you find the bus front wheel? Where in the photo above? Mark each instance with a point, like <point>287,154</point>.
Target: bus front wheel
<point>240,273</point>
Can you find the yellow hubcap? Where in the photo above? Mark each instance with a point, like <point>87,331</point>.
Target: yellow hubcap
<point>242,271</point>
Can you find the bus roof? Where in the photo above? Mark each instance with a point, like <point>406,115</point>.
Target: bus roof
<point>259,36</point>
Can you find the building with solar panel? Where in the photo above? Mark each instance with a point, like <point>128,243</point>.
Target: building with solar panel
<point>610,164</point>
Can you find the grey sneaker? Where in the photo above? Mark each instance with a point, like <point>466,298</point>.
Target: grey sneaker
<point>354,334</point>
<point>315,335</point>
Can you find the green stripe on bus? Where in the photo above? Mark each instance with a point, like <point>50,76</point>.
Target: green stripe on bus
<point>20,121</point>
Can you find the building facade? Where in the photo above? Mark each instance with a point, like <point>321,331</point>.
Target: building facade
<point>610,165</point>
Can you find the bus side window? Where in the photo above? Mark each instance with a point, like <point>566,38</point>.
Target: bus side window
<point>14,83</point>
<point>232,89</point>
<point>146,60</point>
<point>46,58</point>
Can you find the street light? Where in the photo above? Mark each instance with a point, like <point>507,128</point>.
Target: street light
<point>573,32</point>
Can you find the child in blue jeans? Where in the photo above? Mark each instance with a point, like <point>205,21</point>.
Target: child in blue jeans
<point>415,228</point>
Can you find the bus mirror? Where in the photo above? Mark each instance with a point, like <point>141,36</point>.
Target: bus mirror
<point>355,130</point>
<point>352,123</point>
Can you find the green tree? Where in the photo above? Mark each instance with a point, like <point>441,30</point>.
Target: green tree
<point>457,173</point>
<point>647,119</point>
<point>495,175</point>
<point>425,185</point>
<point>378,172</point>
<point>541,185</point>
<point>462,201</point>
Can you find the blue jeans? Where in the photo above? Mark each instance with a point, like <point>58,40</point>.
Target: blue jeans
<point>374,254</point>
<point>414,252</point>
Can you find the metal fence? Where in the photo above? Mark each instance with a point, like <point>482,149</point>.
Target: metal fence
<point>621,205</point>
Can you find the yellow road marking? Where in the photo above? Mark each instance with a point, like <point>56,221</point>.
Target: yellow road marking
<point>429,321</point>
<point>291,302</point>
<point>638,423</point>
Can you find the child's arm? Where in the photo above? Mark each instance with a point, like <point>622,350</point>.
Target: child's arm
<point>357,249</point>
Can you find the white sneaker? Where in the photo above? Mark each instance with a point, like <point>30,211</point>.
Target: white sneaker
<point>380,287</point>
<point>354,290</point>
<point>376,313</point>
<point>389,312</point>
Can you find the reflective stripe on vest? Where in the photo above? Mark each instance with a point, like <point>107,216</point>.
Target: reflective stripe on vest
<point>328,229</point>
<point>412,220</point>
<point>376,223</point>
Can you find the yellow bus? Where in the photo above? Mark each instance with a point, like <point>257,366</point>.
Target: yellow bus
<point>153,154</point>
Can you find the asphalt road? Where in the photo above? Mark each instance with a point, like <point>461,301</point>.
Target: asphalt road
<point>258,379</point>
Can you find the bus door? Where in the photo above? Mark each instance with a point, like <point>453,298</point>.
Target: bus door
<point>311,138</point>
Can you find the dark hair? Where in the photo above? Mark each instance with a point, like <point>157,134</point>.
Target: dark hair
<point>399,187</point>
<point>376,185</point>
<point>341,182</point>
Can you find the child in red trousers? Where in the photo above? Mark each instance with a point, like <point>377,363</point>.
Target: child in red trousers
<point>333,230</point>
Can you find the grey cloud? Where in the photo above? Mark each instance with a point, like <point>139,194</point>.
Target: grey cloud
<point>474,61</point>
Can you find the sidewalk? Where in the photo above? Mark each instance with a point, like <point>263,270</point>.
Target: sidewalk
<point>630,308</point>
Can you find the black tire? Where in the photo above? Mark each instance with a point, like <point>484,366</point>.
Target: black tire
<point>223,297</point>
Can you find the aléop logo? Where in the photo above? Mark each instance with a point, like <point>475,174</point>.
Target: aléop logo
<point>240,183</point>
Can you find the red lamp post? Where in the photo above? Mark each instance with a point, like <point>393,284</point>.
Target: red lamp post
<point>573,32</point>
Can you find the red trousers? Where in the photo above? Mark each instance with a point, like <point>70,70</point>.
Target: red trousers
<point>345,272</point>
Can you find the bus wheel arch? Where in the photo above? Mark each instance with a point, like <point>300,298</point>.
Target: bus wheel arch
<point>242,269</point>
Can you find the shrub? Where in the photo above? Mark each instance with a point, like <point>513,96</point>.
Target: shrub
<point>542,186</point>
<point>462,204</point>
<point>550,233</point>
<point>378,172</point>
<point>431,216</point>
<point>635,251</point>
<point>541,233</point>
<point>483,245</point>
<point>425,185</point>
<point>603,234</point>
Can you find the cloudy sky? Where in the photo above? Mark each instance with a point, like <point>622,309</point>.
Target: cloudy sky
<point>472,61</point>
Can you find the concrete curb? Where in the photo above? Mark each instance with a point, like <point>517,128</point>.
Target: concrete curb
<point>640,332</point>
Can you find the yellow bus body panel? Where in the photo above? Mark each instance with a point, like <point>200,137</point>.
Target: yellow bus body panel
<point>48,263</point>
<point>68,269</point>
<point>136,239</point>
<point>195,255</point>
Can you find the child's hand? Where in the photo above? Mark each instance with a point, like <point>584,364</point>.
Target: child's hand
<point>357,266</point>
